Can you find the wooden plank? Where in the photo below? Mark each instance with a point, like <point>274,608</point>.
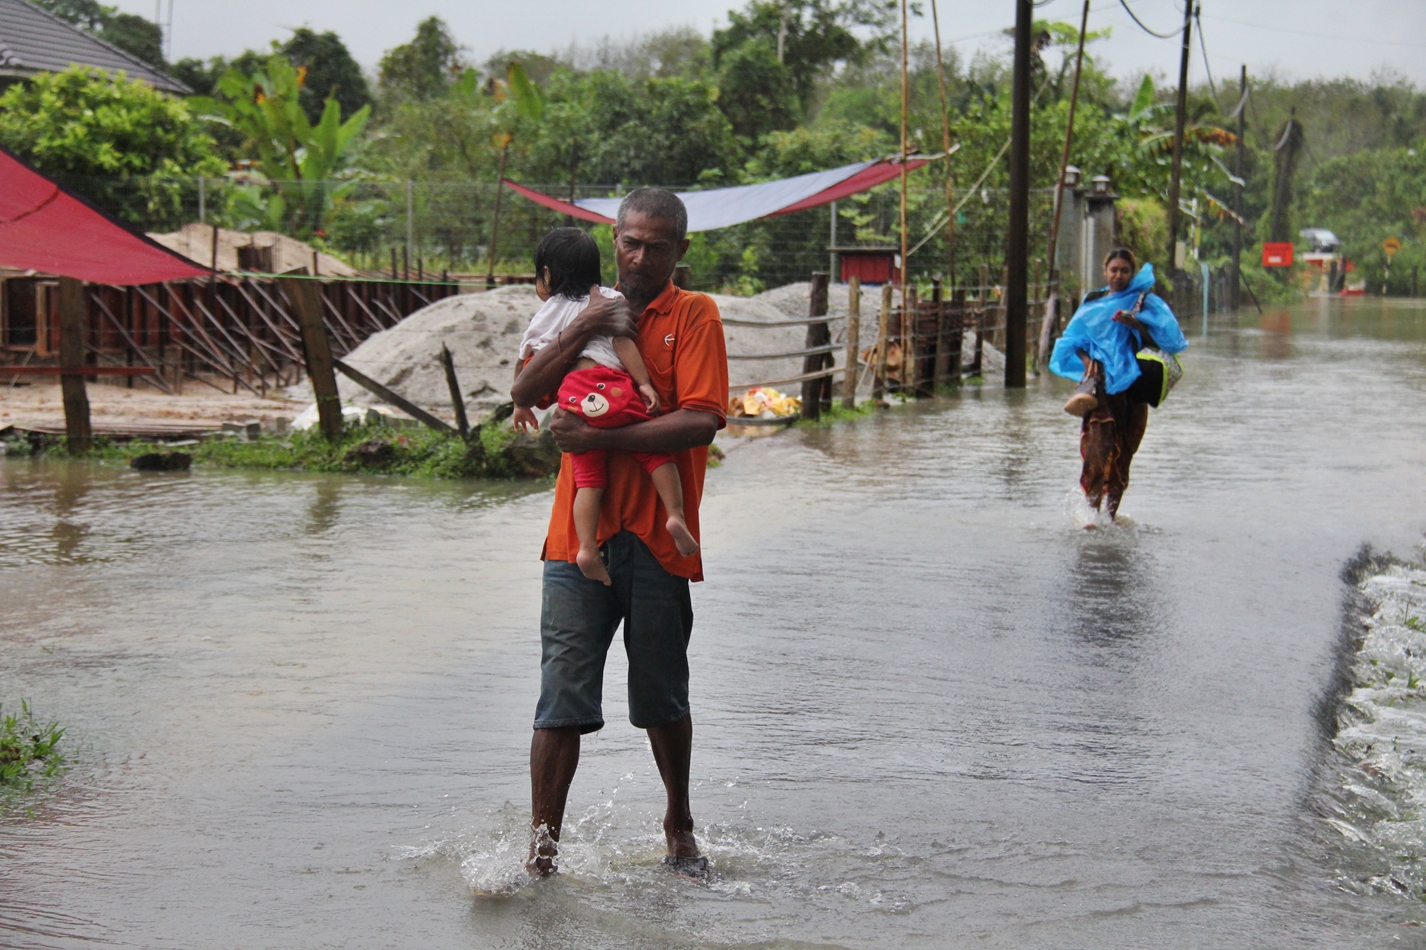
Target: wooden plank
<point>372,386</point>
<point>71,355</point>
<point>818,336</point>
<point>854,331</point>
<point>457,400</point>
<point>306,300</point>
<point>80,370</point>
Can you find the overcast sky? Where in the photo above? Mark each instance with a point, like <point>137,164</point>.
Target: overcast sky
<point>1297,38</point>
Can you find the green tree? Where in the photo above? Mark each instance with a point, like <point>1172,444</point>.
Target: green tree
<point>119,141</point>
<point>809,38</point>
<point>131,33</point>
<point>755,91</point>
<point>425,67</point>
<point>331,72</point>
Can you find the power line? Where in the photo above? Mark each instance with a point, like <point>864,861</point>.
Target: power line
<point>1132,16</point>
<point>1203,45</point>
<point>1325,36</point>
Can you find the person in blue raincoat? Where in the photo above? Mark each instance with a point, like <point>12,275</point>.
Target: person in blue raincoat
<point>1120,346</point>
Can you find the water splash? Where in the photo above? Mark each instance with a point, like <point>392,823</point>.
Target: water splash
<point>1081,515</point>
<point>1377,801</point>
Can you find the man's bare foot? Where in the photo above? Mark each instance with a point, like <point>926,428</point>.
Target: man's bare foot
<point>591,565</point>
<point>684,858</point>
<point>682,537</point>
<point>543,852</point>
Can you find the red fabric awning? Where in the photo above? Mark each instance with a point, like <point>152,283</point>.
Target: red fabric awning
<point>554,204</point>
<point>46,228</point>
<point>864,180</point>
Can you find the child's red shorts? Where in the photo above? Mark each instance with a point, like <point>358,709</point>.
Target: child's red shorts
<point>606,398</point>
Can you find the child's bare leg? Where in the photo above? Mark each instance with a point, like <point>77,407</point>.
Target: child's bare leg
<point>586,526</point>
<point>670,489</point>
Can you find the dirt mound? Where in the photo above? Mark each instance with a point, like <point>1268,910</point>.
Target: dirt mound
<point>195,242</point>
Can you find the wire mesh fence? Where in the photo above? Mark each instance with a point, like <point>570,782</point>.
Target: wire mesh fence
<point>383,227</point>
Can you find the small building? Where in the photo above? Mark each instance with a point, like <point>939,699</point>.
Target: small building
<point>870,265</point>
<point>33,41</point>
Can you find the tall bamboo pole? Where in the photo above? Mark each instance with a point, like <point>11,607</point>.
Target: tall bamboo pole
<point>495,220</point>
<point>1233,289</point>
<point>905,108</point>
<point>1047,323</point>
<point>946,148</point>
<point>1179,117</point>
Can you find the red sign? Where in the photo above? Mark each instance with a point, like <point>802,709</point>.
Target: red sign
<point>1277,254</point>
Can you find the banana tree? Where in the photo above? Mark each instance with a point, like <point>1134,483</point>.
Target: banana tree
<point>297,157</point>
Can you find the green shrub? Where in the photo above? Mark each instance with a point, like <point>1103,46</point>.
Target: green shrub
<point>28,749</point>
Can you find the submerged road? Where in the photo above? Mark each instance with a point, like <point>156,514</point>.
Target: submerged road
<point>931,710</point>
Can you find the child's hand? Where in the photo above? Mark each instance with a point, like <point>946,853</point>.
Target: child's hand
<point>651,398</point>
<point>524,419</point>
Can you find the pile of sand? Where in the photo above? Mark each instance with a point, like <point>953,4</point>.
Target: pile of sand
<point>195,242</point>
<point>483,333</point>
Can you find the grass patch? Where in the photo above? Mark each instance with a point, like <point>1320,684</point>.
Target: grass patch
<point>28,750</point>
<point>494,451</point>
<point>838,413</point>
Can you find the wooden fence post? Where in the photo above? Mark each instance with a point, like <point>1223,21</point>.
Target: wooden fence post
<point>957,319</point>
<point>883,341</point>
<point>908,341</point>
<point>938,368</point>
<point>307,302</point>
<point>817,335</point>
<point>854,342</point>
<point>71,356</point>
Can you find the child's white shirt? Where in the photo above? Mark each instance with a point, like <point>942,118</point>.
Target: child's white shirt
<point>559,312</point>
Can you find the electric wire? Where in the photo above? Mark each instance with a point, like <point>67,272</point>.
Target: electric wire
<point>1132,16</point>
<point>1203,45</point>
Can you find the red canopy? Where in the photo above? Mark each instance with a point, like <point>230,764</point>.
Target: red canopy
<point>46,228</point>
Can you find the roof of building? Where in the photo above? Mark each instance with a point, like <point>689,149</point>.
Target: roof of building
<point>33,41</point>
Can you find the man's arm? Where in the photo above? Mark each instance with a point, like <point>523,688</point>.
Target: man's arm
<point>672,432</point>
<point>546,369</point>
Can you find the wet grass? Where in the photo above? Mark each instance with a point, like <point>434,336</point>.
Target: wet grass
<point>494,451</point>
<point>28,750</point>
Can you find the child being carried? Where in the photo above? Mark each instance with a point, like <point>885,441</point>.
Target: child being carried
<point>609,387</point>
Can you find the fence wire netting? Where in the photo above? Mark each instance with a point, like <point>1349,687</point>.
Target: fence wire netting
<point>449,226</point>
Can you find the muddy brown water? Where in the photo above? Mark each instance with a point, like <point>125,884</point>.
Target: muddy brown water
<point>931,710</point>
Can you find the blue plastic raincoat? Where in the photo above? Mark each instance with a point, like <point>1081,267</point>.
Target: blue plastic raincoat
<point>1094,331</point>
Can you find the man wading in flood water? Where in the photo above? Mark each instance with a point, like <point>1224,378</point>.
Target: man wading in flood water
<point>680,336</point>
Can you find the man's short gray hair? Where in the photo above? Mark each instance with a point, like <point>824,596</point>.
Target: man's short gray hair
<point>656,203</point>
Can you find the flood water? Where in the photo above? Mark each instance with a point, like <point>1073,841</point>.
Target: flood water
<point>931,710</point>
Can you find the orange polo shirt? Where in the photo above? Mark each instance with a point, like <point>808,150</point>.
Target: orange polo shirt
<point>681,339</point>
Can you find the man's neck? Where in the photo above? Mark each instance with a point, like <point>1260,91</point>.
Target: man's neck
<point>640,302</point>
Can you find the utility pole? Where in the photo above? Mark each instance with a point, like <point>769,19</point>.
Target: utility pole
<point>1179,116</point>
<point>1017,244</point>
<point>1235,290</point>
<point>905,110</point>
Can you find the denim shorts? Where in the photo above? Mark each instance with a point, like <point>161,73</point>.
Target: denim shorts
<point>578,618</point>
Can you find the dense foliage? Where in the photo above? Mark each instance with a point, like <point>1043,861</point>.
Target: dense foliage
<point>784,88</point>
<point>118,140</point>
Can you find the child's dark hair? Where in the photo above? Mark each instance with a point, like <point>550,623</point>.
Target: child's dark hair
<point>573,261</point>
